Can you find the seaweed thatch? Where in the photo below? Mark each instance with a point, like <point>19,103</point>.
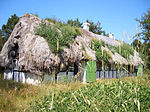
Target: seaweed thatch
<point>35,56</point>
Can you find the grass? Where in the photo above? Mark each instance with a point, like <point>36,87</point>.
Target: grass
<point>17,96</point>
<point>124,95</point>
<point>125,50</point>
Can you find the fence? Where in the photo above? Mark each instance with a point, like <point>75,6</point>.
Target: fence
<point>107,74</point>
<point>63,76</point>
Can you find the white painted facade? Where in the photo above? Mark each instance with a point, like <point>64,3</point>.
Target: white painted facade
<point>22,77</point>
<point>19,76</point>
<point>83,71</point>
<point>8,75</point>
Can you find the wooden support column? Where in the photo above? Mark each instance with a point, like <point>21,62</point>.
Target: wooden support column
<point>104,72</point>
<point>75,69</point>
<point>99,74</point>
<point>113,70</point>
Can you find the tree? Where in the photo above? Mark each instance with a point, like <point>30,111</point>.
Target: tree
<point>145,36</point>
<point>137,44</point>
<point>74,22</point>
<point>8,28</point>
<point>1,40</point>
<point>96,28</point>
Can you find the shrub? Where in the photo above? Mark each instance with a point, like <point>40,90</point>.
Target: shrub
<point>51,34</point>
<point>68,35</point>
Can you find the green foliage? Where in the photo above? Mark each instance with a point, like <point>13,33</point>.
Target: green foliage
<point>1,43</point>
<point>68,35</point>
<point>125,50</point>
<point>139,47</point>
<point>101,55</point>
<point>35,14</point>
<point>54,37</point>
<point>145,35</point>
<point>96,28</point>
<point>55,21</point>
<point>50,34</point>
<point>8,28</point>
<point>114,96</point>
<point>137,44</point>
<point>74,22</point>
<point>145,22</point>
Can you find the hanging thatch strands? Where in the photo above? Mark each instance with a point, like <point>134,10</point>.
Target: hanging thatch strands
<point>35,51</point>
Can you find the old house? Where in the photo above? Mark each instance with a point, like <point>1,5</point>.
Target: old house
<point>27,57</point>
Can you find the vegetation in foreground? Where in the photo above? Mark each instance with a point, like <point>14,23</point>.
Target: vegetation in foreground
<point>16,97</point>
<point>127,94</point>
<point>123,95</point>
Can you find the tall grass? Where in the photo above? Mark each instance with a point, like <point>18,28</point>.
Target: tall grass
<point>17,96</point>
<point>131,95</point>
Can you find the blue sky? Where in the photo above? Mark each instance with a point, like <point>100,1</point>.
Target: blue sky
<point>116,16</point>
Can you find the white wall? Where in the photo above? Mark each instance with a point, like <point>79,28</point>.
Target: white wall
<point>22,77</point>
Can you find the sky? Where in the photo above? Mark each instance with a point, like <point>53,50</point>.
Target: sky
<point>116,16</point>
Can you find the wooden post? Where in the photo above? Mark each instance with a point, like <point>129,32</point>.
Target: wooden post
<point>104,71</point>
<point>55,78</point>
<point>117,73</point>
<point>113,71</point>
<point>75,69</point>
<point>99,74</point>
<point>109,72</point>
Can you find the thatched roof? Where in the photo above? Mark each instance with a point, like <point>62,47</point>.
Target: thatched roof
<point>35,56</point>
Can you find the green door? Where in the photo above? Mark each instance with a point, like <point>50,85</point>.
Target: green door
<point>91,71</point>
<point>140,70</point>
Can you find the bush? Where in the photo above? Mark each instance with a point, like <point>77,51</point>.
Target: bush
<point>68,35</point>
<point>53,37</point>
